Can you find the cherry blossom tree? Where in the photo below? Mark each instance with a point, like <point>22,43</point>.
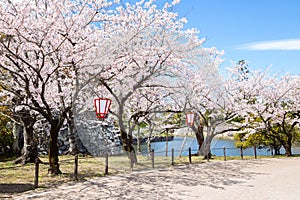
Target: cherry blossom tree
<point>268,104</point>
<point>159,52</point>
<point>151,49</point>
<point>222,102</point>
<point>206,93</point>
<point>275,109</point>
<point>43,44</point>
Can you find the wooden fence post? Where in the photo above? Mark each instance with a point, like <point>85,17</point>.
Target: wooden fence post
<point>242,155</point>
<point>152,158</point>
<point>172,157</point>
<point>76,168</point>
<point>255,153</point>
<point>167,143</point>
<point>224,152</point>
<point>36,173</point>
<point>106,164</point>
<point>190,155</point>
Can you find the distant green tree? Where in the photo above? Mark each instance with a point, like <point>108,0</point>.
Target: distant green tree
<point>260,138</point>
<point>6,135</point>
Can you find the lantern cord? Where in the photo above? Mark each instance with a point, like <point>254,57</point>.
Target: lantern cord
<point>215,144</point>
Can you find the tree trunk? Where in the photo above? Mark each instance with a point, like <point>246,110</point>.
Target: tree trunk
<point>73,148</point>
<point>288,147</point>
<point>288,150</point>
<point>30,149</point>
<point>277,150</point>
<point>127,140</point>
<point>207,153</point>
<point>53,147</point>
<point>199,137</point>
<point>149,139</point>
<point>205,148</point>
<point>138,140</point>
<point>17,131</point>
<point>127,145</point>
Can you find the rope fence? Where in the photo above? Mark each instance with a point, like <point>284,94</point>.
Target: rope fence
<point>126,163</point>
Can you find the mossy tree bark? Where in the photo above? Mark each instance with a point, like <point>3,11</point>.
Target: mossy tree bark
<point>17,131</point>
<point>30,149</point>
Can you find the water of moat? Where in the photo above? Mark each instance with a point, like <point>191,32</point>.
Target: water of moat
<point>181,145</point>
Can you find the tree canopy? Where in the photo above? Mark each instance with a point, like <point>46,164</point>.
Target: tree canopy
<point>56,56</point>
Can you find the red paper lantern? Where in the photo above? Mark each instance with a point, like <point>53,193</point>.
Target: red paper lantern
<point>190,116</point>
<point>102,106</point>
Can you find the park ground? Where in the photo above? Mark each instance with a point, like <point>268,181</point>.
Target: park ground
<point>267,178</point>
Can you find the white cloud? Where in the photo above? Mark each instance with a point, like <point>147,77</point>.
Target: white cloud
<point>290,44</point>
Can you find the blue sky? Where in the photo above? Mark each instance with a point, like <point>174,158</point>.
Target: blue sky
<point>266,33</point>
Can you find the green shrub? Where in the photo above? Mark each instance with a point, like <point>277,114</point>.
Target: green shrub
<point>6,141</point>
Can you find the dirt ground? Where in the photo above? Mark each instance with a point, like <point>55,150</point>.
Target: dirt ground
<point>274,178</point>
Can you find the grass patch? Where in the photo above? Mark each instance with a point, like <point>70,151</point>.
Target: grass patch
<point>17,178</point>
<point>88,167</point>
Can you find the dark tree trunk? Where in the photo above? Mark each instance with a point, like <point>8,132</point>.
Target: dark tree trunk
<point>277,150</point>
<point>149,139</point>
<point>127,140</point>
<point>288,147</point>
<point>199,137</point>
<point>53,147</point>
<point>128,145</point>
<point>138,145</point>
<point>275,145</point>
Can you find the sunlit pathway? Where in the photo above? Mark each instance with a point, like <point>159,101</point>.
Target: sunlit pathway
<point>247,179</point>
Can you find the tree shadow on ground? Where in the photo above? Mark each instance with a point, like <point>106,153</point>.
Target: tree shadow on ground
<point>15,188</point>
<point>217,175</point>
<point>161,183</point>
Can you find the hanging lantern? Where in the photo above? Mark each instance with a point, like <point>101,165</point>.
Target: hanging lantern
<point>102,106</point>
<point>190,116</point>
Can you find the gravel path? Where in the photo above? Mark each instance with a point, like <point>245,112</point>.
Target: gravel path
<point>238,179</point>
